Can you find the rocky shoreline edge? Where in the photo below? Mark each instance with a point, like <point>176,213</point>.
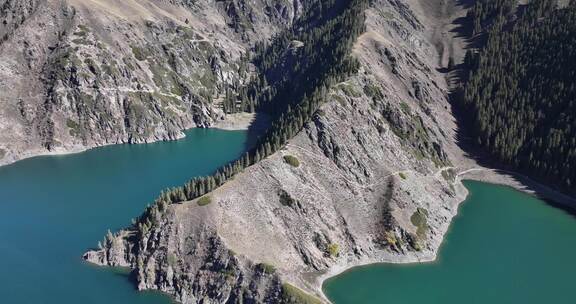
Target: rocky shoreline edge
<point>230,122</point>
<point>510,179</point>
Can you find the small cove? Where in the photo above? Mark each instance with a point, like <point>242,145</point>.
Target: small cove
<point>503,247</point>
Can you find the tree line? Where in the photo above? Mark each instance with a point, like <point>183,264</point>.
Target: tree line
<point>318,50</point>
<point>521,90</point>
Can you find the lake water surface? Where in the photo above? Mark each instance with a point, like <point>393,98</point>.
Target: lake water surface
<point>503,247</point>
<point>53,208</point>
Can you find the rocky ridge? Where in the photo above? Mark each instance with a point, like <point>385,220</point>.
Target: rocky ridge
<point>375,183</point>
<point>78,74</point>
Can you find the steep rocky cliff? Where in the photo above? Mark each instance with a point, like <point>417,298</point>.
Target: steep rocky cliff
<point>373,182</point>
<point>76,74</point>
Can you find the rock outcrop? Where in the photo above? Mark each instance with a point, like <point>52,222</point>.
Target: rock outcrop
<point>374,184</point>
<point>77,74</point>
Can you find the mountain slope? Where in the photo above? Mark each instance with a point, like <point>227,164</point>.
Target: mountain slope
<point>78,74</point>
<point>373,182</point>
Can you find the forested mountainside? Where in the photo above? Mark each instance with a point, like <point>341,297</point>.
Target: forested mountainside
<point>521,89</point>
<point>355,167</point>
<point>321,61</point>
<point>77,74</point>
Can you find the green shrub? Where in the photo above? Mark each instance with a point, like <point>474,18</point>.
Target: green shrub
<point>406,108</point>
<point>266,268</point>
<point>286,199</point>
<point>292,160</point>
<point>373,92</point>
<point>349,90</point>
<point>333,250</point>
<point>419,220</point>
<point>205,200</point>
<point>339,99</point>
<point>138,53</point>
<point>172,259</point>
<point>414,242</point>
<point>402,175</point>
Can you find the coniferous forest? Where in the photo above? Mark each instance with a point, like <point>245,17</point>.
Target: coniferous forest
<point>295,71</point>
<point>521,87</point>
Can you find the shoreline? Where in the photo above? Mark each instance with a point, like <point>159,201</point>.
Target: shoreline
<point>521,183</point>
<point>387,257</point>
<point>383,258</point>
<point>231,122</point>
<point>236,121</point>
<point>510,179</point>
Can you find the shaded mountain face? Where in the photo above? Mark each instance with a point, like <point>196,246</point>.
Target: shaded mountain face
<point>77,74</point>
<point>520,95</point>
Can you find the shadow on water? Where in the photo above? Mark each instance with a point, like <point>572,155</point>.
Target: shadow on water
<point>465,137</point>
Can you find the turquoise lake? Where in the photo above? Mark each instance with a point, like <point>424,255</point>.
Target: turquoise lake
<point>53,208</point>
<point>503,247</point>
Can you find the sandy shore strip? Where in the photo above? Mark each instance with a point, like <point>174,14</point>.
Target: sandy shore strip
<point>383,257</point>
<point>237,121</point>
<point>519,182</point>
<point>242,121</point>
<point>42,152</point>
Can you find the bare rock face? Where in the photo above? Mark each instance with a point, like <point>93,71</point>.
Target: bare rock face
<point>77,74</point>
<point>374,183</point>
<point>198,268</point>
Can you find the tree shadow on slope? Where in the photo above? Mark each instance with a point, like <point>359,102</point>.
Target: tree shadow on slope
<point>467,142</point>
<point>257,128</point>
<point>465,136</point>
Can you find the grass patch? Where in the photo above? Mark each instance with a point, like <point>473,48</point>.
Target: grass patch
<point>405,108</point>
<point>205,200</point>
<point>138,53</point>
<point>390,238</point>
<point>74,127</point>
<point>172,259</point>
<point>83,28</point>
<point>292,160</point>
<point>387,15</point>
<point>81,41</point>
<point>229,273</point>
<point>92,66</point>
<point>72,124</point>
<point>339,99</point>
<point>110,70</point>
<point>414,242</point>
<point>419,220</point>
<point>81,33</point>
<point>333,250</point>
<point>294,295</point>
<point>349,90</point>
<point>373,92</point>
<point>208,79</point>
<point>266,268</point>
<point>402,175</point>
